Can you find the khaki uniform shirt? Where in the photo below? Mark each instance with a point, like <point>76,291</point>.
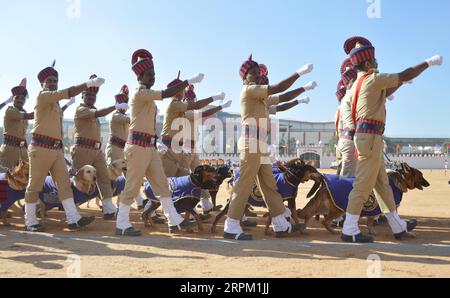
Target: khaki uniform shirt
<point>48,116</point>
<point>119,125</point>
<point>175,110</point>
<point>372,97</point>
<point>144,110</point>
<point>346,114</point>
<point>14,123</point>
<point>86,124</point>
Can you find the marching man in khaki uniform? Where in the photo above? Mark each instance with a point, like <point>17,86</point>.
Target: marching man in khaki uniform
<point>255,160</point>
<point>88,146</point>
<point>119,127</point>
<point>173,158</point>
<point>46,150</point>
<point>347,127</point>
<point>368,98</point>
<point>140,153</point>
<point>340,93</point>
<point>191,158</point>
<point>15,125</point>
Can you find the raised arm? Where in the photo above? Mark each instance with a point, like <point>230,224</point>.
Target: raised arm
<point>287,83</point>
<point>287,106</point>
<point>104,112</point>
<point>77,90</point>
<point>198,105</point>
<point>172,91</point>
<point>415,71</point>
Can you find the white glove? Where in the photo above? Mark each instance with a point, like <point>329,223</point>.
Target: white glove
<point>9,100</point>
<point>391,98</point>
<point>435,60</point>
<point>196,79</point>
<point>161,148</point>
<point>97,82</point>
<point>70,102</point>
<point>305,100</point>
<point>122,106</point>
<point>227,104</point>
<point>305,69</point>
<point>219,97</point>
<point>310,86</point>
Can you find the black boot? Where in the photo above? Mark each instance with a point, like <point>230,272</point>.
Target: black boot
<point>410,226</point>
<point>35,229</point>
<point>360,238</point>
<point>295,229</point>
<point>83,222</point>
<point>130,232</point>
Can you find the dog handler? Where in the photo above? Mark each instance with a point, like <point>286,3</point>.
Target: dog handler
<point>255,114</point>
<point>368,98</point>
<point>173,157</point>
<point>15,123</point>
<point>346,144</point>
<point>88,147</point>
<point>46,150</point>
<point>140,153</point>
<point>191,158</point>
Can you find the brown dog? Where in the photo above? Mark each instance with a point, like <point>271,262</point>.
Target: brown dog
<point>295,172</point>
<point>404,179</point>
<point>18,181</point>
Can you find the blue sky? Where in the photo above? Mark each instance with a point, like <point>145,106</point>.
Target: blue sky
<point>215,37</point>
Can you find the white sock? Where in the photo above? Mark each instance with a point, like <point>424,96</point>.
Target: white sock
<point>72,214</point>
<point>108,206</point>
<point>206,205</point>
<point>173,218</point>
<point>233,226</point>
<point>30,214</point>
<point>280,224</point>
<point>123,217</point>
<point>148,205</point>
<point>288,213</point>
<point>396,223</point>
<point>351,225</point>
<point>139,200</point>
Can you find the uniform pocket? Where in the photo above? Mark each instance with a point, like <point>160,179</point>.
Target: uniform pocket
<point>365,144</point>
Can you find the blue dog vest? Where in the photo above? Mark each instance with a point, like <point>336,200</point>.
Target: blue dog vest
<point>340,189</point>
<point>284,188</point>
<point>12,195</point>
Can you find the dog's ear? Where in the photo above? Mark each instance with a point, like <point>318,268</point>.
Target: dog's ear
<point>79,174</point>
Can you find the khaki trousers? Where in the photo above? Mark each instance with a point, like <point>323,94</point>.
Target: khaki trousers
<point>43,161</point>
<point>113,153</point>
<point>250,169</point>
<point>87,157</point>
<point>370,175</point>
<point>143,162</point>
<point>349,161</point>
<point>174,164</point>
<point>10,156</point>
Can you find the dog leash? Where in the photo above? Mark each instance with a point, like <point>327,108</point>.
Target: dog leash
<point>176,161</point>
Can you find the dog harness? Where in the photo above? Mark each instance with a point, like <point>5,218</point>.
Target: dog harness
<point>284,188</point>
<point>8,195</point>
<point>340,189</point>
<point>182,190</point>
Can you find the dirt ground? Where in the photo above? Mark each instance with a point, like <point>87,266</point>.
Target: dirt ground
<point>158,254</point>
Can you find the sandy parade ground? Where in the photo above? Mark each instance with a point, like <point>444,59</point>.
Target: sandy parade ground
<point>159,254</point>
